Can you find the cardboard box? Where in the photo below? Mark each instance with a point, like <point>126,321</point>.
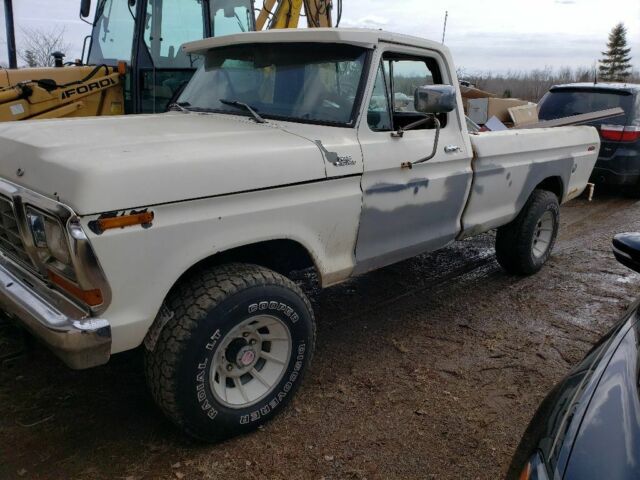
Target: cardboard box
<point>482,109</point>
<point>524,115</point>
<point>469,93</point>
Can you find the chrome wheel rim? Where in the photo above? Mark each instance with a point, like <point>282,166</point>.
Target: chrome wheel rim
<point>543,234</point>
<point>251,361</point>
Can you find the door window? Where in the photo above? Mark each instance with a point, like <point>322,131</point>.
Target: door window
<point>112,38</point>
<point>406,76</point>
<point>230,16</point>
<point>378,115</point>
<point>403,74</point>
<point>170,24</point>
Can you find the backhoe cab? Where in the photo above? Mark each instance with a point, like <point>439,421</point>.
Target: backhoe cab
<point>148,34</point>
<point>134,61</point>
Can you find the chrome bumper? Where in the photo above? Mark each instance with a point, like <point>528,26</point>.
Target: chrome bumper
<point>79,340</point>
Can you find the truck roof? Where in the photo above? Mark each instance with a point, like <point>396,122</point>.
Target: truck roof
<point>627,87</point>
<point>367,38</point>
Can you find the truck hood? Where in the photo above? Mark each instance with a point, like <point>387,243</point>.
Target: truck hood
<point>104,164</point>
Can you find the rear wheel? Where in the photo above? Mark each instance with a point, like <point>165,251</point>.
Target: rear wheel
<point>525,244</point>
<point>230,357</point>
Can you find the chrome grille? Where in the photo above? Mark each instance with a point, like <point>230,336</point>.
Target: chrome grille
<point>10,240</point>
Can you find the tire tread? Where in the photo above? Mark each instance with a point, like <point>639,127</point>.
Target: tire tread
<point>513,247</point>
<point>190,301</point>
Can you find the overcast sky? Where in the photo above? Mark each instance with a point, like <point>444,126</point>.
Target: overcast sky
<point>487,35</point>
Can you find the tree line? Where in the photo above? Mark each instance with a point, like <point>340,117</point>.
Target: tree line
<point>532,85</point>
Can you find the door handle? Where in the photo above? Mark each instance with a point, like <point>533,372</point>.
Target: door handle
<point>452,149</point>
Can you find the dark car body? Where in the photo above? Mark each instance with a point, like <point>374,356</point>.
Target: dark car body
<point>619,158</point>
<point>588,427</point>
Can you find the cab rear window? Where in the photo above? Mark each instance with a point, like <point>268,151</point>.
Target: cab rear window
<point>566,102</point>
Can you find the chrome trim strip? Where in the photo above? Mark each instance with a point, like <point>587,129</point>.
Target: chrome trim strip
<point>79,341</point>
<point>621,253</point>
<point>89,273</point>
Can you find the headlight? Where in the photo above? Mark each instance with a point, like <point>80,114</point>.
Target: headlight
<point>49,237</point>
<point>57,241</point>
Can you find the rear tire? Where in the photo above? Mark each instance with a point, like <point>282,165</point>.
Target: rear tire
<point>525,244</point>
<point>233,351</point>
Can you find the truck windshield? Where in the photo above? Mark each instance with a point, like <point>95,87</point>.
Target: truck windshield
<point>304,82</point>
<point>565,102</point>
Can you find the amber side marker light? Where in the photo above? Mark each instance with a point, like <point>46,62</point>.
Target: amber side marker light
<point>93,298</point>
<point>526,472</point>
<point>108,223</point>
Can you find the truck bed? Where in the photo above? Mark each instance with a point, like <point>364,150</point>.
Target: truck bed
<point>508,165</point>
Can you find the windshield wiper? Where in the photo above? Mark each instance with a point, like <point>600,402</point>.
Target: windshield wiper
<point>179,107</point>
<point>245,106</point>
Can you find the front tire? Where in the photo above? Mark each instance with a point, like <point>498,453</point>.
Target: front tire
<point>232,354</point>
<point>525,244</point>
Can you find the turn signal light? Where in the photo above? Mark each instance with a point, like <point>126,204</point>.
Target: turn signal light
<point>107,223</point>
<point>93,298</point>
<point>122,67</point>
<point>526,473</point>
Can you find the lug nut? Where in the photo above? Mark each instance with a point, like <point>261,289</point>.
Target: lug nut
<point>252,342</point>
<point>229,367</point>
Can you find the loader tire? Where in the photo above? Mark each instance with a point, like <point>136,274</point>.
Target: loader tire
<point>233,350</point>
<point>525,244</point>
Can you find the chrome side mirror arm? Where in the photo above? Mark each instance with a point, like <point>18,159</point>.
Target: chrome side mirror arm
<point>410,165</point>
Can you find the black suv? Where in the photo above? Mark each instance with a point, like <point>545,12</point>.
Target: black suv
<point>619,158</point>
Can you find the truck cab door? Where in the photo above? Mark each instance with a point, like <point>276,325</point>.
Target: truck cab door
<point>161,68</point>
<point>409,211</point>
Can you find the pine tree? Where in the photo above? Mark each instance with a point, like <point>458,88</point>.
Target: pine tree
<point>615,65</point>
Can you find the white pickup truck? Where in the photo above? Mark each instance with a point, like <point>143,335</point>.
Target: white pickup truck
<point>287,150</point>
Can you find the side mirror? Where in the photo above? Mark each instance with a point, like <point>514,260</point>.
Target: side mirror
<point>626,249</point>
<point>435,99</point>
<point>85,8</point>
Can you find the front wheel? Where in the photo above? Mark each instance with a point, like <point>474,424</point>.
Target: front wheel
<point>232,353</point>
<point>525,244</point>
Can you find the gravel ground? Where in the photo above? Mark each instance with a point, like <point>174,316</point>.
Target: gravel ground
<point>430,368</point>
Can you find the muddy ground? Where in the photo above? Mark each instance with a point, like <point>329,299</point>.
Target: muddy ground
<point>430,368</point>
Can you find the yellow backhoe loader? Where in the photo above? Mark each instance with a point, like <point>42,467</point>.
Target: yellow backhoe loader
<point>286,13</point>
<point>133,61</point>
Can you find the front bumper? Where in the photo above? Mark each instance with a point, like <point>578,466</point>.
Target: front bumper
<point>78,339</point>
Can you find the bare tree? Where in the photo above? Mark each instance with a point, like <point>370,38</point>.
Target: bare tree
<point>532,85</point>
<point>38,45</point>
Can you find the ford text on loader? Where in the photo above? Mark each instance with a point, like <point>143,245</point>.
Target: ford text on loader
<point>287,150</point>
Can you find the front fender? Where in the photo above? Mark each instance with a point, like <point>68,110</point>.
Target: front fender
<point>143,264</point>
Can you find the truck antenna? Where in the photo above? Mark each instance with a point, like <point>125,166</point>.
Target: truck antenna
<point>444,28</point>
